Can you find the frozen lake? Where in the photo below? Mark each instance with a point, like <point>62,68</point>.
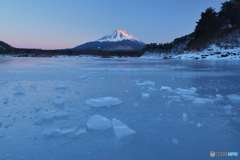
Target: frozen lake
<point>117,109</point>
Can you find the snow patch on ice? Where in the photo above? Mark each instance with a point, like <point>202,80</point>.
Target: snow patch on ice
<point>103,102</point>
<point>121,130</point>
<point>98,122</point>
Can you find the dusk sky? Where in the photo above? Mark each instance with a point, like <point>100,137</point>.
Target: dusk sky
<point>66,23</point>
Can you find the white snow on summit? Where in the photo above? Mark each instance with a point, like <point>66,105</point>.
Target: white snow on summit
<point>118,35</point>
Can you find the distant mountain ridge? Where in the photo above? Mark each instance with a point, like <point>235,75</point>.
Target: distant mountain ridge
<point>119,40</point>
<point>4,46</point>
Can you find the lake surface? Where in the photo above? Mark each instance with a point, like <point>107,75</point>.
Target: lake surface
<point>175,109</point>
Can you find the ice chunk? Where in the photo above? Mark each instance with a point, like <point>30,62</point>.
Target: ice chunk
<point>61,87</point>
<point>199,100</point>
<point>188,97</point>
<point>19,92</point>
<point>121,130</point>
<point>184,116</point>
<point>59,101</point>
<point>166,88</point>
<point>59,132</point>
<point>175,141</point>
<point>51,117</point>
<point>80,132</point>
<point>219,97</point>
<point>199,125</point>
<point>103,102</point>
<point>146,83</point>
<point>235,98</point>
<point>98,122</point>
<point>145,95</point>
<point>183,91</point>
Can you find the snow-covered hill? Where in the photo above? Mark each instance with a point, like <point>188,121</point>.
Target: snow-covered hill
<point>213,52</point>
<point>119,40</point>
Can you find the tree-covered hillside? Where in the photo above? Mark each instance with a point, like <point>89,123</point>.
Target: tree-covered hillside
<point>221,28</point>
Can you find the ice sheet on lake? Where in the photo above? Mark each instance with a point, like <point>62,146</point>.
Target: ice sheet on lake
<point>235,98</point>
<point>98,122</point>
<point>228,109</point>
<point>121,130</point>
<point>103,102</point>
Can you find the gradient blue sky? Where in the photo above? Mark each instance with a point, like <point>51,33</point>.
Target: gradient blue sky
<point>67,23</point>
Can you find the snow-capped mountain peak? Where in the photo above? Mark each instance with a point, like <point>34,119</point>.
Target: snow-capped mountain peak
<point>118,35</point>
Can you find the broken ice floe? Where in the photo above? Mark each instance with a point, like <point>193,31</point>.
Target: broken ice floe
<point>184,117</point>
<point>175,141</point>
<point>199,100</point>
<point>50,117</point>
<point>145,83</point>
<point>145,95</point>
<point>219,97</point>
<point>199,125</point>
<point>61,87</point>
<point>59,102</point>
<point>182,91</point>
<point>103,102</point>
<point>121,130</point>
<point>166,88</point>
<point>189,94</point>
<point>98,122</point>
<point>63,132</point>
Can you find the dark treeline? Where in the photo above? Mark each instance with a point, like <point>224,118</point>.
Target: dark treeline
<point>211,26</point>
<point>20,52</point>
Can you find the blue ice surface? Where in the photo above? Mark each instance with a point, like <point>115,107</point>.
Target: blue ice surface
<point>170,109</point>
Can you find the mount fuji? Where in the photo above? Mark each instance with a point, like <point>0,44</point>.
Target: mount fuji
<point>119,40</point>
